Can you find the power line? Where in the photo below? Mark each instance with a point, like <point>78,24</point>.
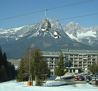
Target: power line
<point>80,16</point>
<point>71,4</point>
<point>48,9</point>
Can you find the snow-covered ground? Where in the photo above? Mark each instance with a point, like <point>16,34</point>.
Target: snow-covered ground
<point>17,86</point>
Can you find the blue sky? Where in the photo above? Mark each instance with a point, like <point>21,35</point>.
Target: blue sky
<point>11,11</point>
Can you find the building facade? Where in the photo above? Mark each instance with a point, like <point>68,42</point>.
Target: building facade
<point>80,59</point>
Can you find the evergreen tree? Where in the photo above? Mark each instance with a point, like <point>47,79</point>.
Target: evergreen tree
<point>60,67</point>
<point>3,74</point>
<point>94,68</point>
<point>23,71</point>
<point>40,66</point>
<point>5,59</point>
<point>32,64</point>
<point>7,70</point>
<point>1,58</point>
<point>68,63</point>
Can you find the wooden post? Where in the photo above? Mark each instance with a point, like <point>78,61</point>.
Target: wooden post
<point>30,82</point>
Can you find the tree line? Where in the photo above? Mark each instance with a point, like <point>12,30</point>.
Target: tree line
<point>7,70</point>
<point>34,66</point>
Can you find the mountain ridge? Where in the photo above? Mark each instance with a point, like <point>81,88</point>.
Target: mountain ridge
<point>48,35</point>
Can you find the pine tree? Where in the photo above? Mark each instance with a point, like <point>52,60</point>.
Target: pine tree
<point>32,64</point>
<point>1,58</point>
<point>7,70</point>
<point>3,74</point>
<point>60,67</point>
<point>40,66</point>
<point>23,72</point>
<point>94,68</point>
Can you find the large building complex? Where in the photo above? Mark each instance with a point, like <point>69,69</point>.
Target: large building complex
<point>80,59</point>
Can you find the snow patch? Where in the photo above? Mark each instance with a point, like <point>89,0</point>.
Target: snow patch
<point>72,37</point>
<point>81,34</point>
<point>86,34</point>
<point>3,32</point>
<point>16,29</point>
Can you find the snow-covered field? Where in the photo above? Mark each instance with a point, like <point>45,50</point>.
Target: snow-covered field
<point>17,86</point>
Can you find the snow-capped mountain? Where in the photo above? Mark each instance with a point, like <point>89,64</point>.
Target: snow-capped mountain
<point>15,33</point>
<point>48,35</point>
<point>82,34</point>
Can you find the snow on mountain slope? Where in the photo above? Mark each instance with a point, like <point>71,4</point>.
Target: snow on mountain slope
<point>81,34</point>
<point>73,30</point>
<point>48,35</point>
<point>44,27</point>
<point>15,33</point>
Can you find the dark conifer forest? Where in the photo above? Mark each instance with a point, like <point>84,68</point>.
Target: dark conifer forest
<point>7,70</point>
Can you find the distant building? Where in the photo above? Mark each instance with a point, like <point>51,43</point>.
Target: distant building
<point>80,59</point>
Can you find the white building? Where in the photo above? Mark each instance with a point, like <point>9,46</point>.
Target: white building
<point>81,59</point>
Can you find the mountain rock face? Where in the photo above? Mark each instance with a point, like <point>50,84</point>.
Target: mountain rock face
<point>48,35</point>
<point>81,34</point>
